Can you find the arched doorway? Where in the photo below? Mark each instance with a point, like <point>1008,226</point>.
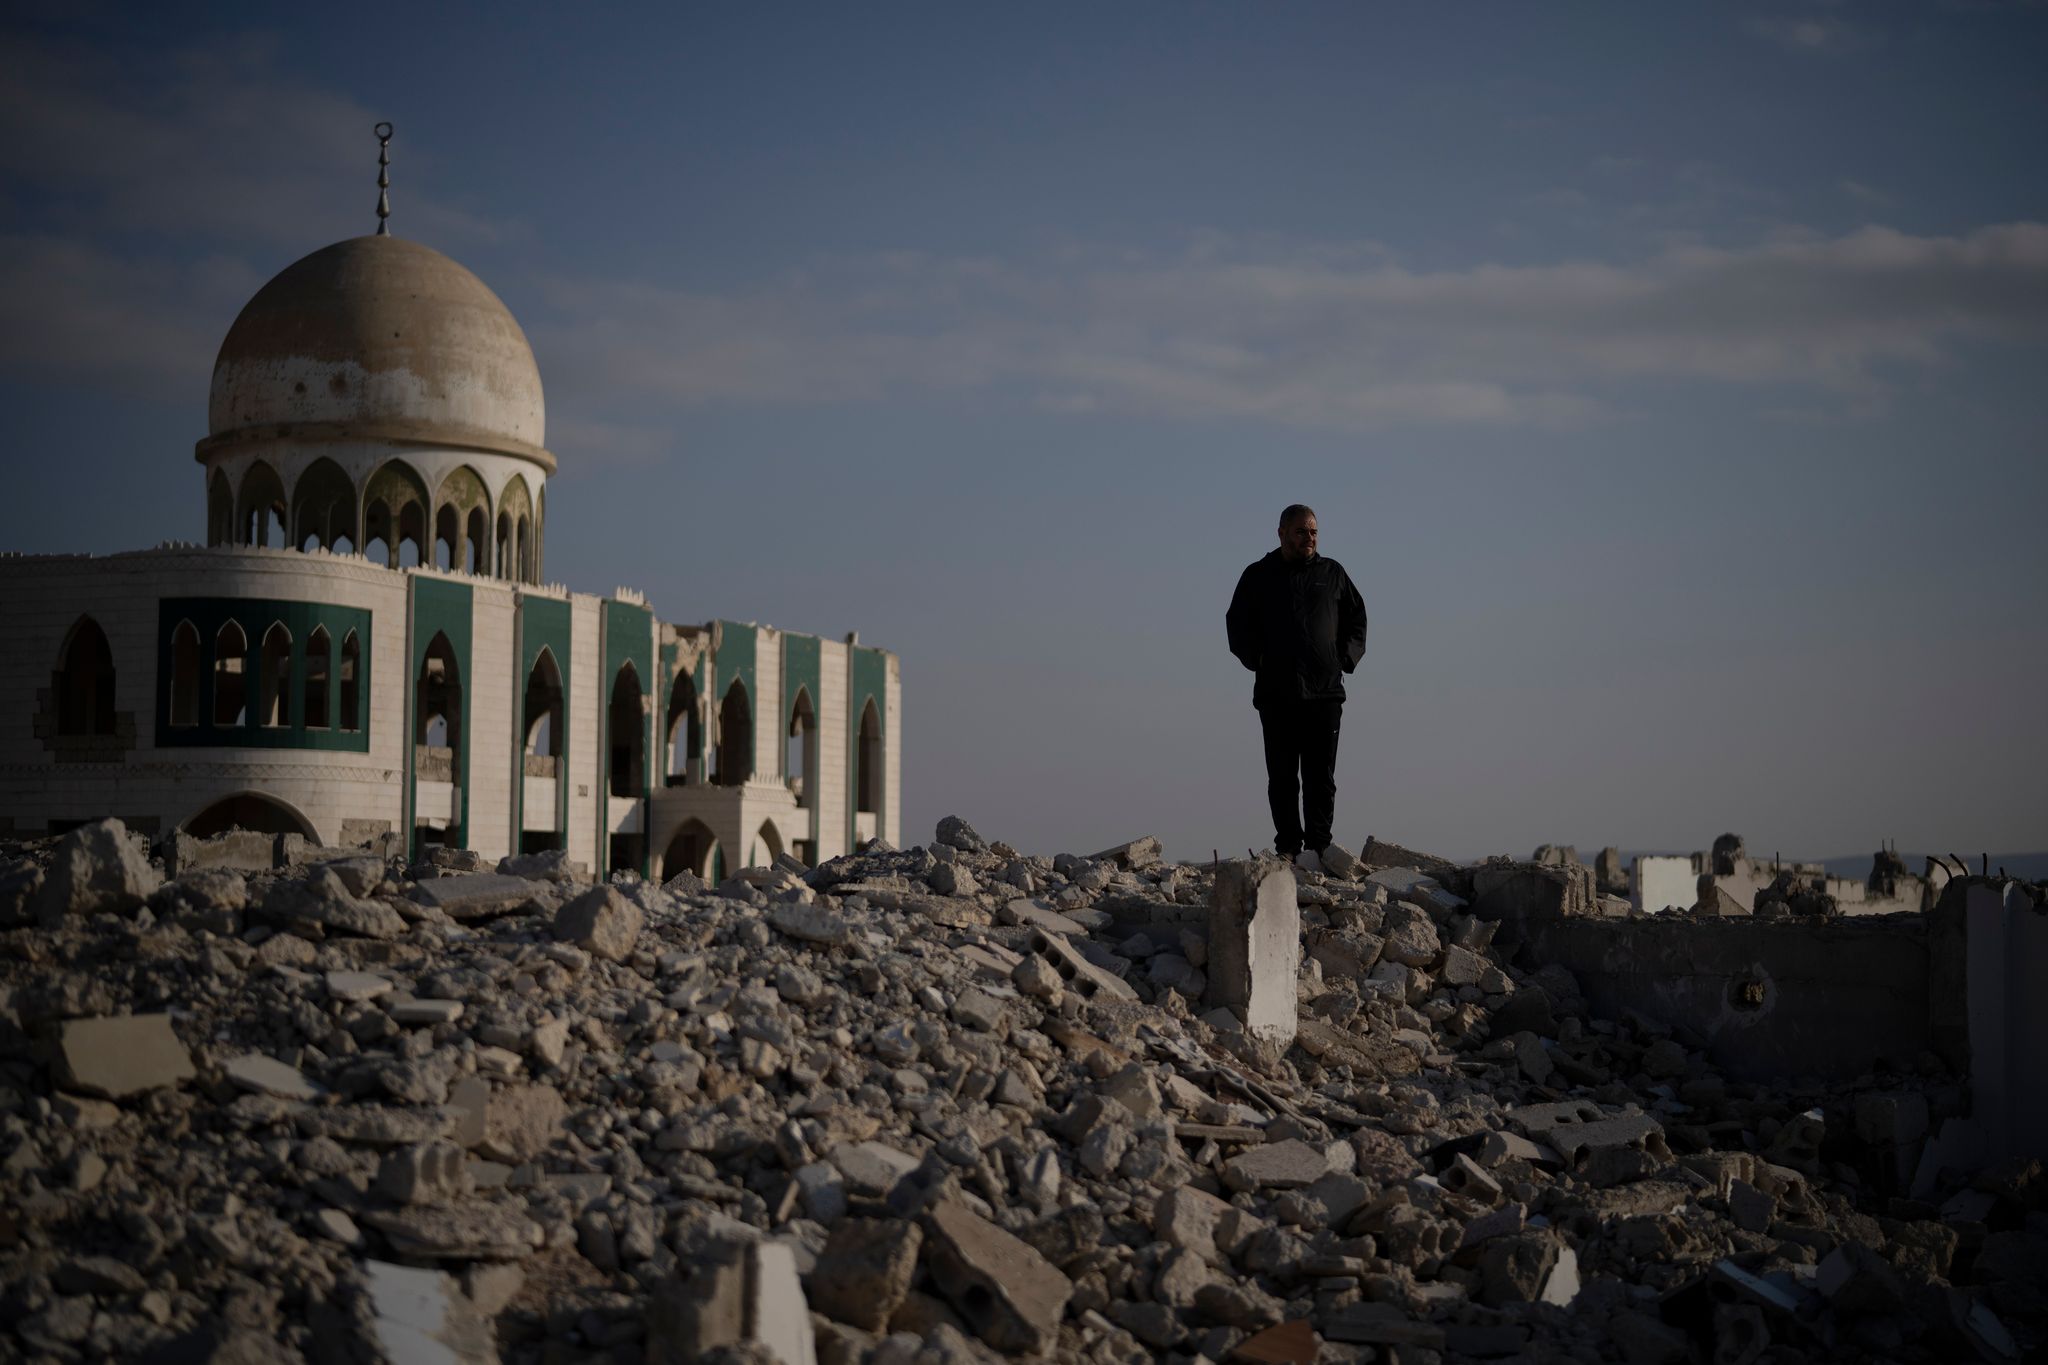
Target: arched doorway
<point>868,761</point>
<point>735,737</point>
<point>544,717</point>
<point>692,849</point>
<point>250,811</point>
<point>684,733</point>
<point>85,681</point>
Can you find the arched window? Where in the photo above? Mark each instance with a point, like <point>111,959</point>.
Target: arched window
<point>438,724</point>
<point>412,535</point>
<point>503,556</point>
<point>185,674</point>
<point>261,511</point>
<point>317,661</point>
<point>377,533</point>
<point>735,737</point>
<point>323,506</point>
<point>868,778</point>
<point>85,682</point>
<point>476,544</point>
<point>544,716</point>
<point>275,680</point>
<point>526,574</point>
<point>685,730</point>
<point>351,662</point>
<point>220,509</point>
<point>230,676</point>
<point>626,725</point>
<point>800,756</point>
<point>446,534</point>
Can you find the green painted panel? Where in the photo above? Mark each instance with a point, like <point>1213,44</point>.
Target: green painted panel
<point>255,616</point>
<point>441,608</point>
<point>628,639</point>
<point>800,669</point>
<point>736,648</point>
<point>869,680</point>
<point>544,623</point>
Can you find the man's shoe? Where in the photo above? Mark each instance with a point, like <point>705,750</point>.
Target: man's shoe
<point>1308,860</point>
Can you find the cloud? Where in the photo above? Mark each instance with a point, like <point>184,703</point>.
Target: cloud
<point>211,144</point>
<point>1317,336</point>
<point>1809,34</point>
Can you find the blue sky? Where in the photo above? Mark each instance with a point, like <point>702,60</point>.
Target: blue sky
<point>1668,377</point>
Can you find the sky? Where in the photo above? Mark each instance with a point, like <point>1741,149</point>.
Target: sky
<point>1669,378</point>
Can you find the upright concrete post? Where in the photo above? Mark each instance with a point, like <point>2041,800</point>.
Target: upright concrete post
<point>1255,946</point>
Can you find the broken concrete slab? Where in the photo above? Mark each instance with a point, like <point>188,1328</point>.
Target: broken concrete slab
<point>268,1076</point>
<point>1276,1166</point>
<point>1136,853</point>
<point>474,895</point>
<point>121,1056</point>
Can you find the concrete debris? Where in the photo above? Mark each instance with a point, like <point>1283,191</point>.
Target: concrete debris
<point>121,1056</point>
<point>938,1104</point>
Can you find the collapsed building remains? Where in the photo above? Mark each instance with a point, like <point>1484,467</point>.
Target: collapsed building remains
<point>954,1103</point>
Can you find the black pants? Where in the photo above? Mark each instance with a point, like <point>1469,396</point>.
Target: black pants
<point>1301,763</point>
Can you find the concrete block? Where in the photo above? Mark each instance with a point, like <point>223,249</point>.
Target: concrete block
<point>473,895</point>
<point>97,869</point>
<point>121,1056</point>
<point>865,1271</point>
<point>1255,947</point>
<point>1276,1166</point>
<point>1524,891</point>
<point>1008,1294</point>
<point>601,922</point>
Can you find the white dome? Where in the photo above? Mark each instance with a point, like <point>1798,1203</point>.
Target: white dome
<point>378,338</point>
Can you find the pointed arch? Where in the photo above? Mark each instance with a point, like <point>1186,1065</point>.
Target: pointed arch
<point>230,675</point>
<point>693,848</point>
<point>626,727</point>
<point>868,761</point>
<point>462,514</point>
<point>260,512</point>
<point>220,509</point>
<point>323,507</point>
<point>515,510</point>
<point>683,734</point>
<point>395,499</point>
<point>85,681</point>
<point>544,747</point>
<point>184,709</point>
<point>768,844</point>
<point>319,658</point>
<point>800,754</point>
<point>348,691</point>
<point>274,679</point>
<point>437,719</point>
<point>735,737</point>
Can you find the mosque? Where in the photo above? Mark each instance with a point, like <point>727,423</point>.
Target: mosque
<point>367,646</point>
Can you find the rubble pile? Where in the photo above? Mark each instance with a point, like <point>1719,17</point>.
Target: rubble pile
<point>911,1107</point>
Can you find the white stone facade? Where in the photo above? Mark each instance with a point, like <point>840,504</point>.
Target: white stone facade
<point>350,696</point>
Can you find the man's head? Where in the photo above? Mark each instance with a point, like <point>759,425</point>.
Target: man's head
<point>1298,534</point>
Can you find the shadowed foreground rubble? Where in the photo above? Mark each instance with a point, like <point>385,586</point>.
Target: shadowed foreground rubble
<point>927,1106</point>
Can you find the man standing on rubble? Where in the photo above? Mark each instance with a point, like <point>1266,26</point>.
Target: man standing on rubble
<point>1297,622</point>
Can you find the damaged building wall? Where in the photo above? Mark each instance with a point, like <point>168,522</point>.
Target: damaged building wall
<point>1763,998</point>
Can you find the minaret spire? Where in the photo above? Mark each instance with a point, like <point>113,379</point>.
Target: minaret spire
<point>383,131</point>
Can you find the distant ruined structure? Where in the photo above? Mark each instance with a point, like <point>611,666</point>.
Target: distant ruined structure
<point>366,648</point>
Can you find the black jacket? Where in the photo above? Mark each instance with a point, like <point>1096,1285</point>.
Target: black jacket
<point>1300,627</point>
